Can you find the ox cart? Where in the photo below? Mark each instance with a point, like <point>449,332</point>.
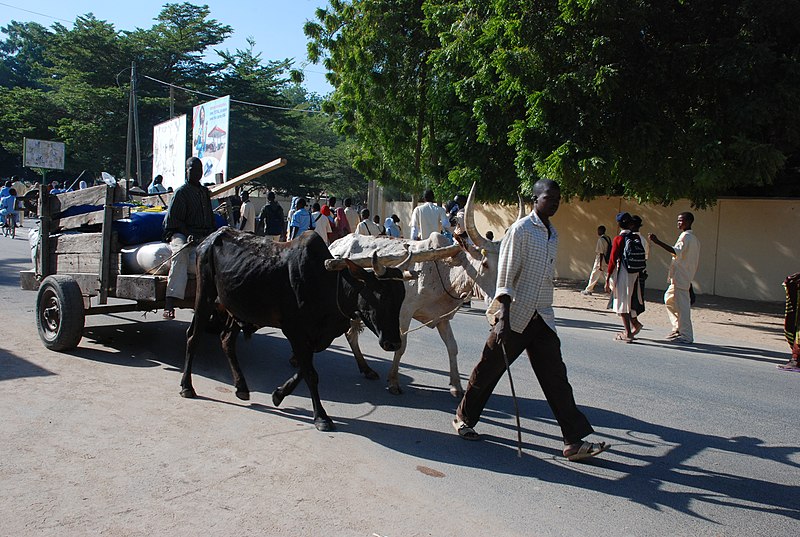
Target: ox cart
<point>78,269</point>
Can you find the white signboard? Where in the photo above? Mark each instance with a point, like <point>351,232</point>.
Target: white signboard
<point>43,154</point>
<point>169,151</point>
<point>210,137</point>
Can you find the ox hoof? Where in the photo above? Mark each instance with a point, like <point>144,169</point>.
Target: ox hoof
<point>244,395</point>
<point>395,390</point>
<point>188,393</point>
<point>456,391</point>
<point>371,375</point>
<point>324,425</point>
<point>277,398</point>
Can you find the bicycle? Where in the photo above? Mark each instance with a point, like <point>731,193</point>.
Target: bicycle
<point>10,227</point>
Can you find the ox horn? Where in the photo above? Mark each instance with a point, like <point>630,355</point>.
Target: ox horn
<point>377,266</point>
<point>522,214</point>
<point>469,220</point>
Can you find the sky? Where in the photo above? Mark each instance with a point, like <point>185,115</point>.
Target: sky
<point>276,25</point>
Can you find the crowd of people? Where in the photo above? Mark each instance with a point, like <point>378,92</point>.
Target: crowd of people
<point>622,262</point>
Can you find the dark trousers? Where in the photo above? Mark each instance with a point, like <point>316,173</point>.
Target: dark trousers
<point>544,352</point>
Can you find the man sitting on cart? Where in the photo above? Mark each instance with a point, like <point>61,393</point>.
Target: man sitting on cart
<point>188,221</point>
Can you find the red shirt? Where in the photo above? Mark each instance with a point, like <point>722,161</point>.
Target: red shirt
<point>617,245</point>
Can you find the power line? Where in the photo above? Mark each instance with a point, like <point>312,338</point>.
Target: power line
<point>232,100</point>
<point>35,12</point>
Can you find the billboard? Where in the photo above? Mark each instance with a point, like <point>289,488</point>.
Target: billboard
<point>210,137</point>
<point>169,151</point>
<point>43,154</point>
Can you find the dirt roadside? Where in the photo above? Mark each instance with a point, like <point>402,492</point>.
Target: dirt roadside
<point>759,323</point>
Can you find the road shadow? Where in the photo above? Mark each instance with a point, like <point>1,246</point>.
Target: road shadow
<point>14,367</point>
<point>10,267</point>
<point>662,478</point>
<point>733,351</point>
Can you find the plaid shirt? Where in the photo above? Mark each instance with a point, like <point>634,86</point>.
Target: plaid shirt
<point>525,273</point>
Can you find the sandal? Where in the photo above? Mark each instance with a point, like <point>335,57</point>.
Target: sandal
<point>623,338</point>
<point>169,314</point>
<point>585,450</point>
<point>465,431</point>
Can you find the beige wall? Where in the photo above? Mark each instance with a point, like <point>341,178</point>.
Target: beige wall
<point>748,246</point>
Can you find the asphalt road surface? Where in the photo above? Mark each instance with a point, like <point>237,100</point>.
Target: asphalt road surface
<point>99,442</point>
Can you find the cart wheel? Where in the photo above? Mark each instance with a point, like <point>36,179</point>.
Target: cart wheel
<point>59,313</point>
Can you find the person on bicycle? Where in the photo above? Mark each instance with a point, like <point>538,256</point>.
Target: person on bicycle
<point>8,208</point>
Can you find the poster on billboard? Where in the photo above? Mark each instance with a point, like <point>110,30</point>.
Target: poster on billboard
<point>210,137</point>
<point>169,151</point>
<point>43,154</point>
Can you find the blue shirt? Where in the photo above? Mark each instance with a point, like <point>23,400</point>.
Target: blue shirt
<point>301,219</point>
<point>7,204</point>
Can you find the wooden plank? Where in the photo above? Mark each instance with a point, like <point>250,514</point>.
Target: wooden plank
<point>28,281</point>
<point>95,195</point>
<point>149,288</point>
<point>141,287</point>
<point>221,190</point>
<point>76,243</point>
<point>82,262</point>
<point>45,228</point>
<point>87,219</point>
<point>158,199</point>
<point>105,256</point>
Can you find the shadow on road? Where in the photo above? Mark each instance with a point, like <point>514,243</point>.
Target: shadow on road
<point>665,478</point>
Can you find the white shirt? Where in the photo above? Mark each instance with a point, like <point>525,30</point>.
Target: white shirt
<point>352,218</point>
<point>248,211</point>
<point>321,225</point>
<point>685,261</point>
<point>525,273</point>
<point>427,218</point>
<point>367,227</point>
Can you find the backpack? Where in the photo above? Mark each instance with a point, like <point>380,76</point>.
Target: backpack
<point>633,253</point>
<point>607,254</point>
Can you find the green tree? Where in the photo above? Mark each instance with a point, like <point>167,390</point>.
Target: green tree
<point>377,54</point>
<point>646,99</point>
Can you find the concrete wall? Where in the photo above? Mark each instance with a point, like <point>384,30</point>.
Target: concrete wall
<point>748,246</point>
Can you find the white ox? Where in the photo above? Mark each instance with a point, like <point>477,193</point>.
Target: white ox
<point>439,290</point>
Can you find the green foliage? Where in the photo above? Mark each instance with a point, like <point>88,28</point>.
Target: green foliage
<point>73,84</point>
<point>651,100</point>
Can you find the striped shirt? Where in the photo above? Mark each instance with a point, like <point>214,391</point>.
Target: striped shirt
<point>190,212</point>
<point>525,273</point>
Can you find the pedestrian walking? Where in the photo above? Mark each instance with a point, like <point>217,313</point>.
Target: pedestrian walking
<point>352,214</point>
<point>300,220</point>
<point>427,218</point>
<point>367,227</point>
<point>247,220</point>
<point>625,263</point>
<point>272,218</point>
<point>685,259</point>
<point>523,319</point>
<point>602,251</point>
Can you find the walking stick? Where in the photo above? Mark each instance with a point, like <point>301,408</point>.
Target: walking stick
<point>514,397</point>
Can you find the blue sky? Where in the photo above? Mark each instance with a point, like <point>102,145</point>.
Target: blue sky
<point>276,25</point>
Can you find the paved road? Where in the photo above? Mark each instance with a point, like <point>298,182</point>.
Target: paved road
<point>98,441</point>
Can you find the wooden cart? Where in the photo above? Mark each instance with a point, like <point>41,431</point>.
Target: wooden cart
<point>78,270</point>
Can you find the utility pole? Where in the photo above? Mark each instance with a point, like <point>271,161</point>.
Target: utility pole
<point>133,132</point>
<point>129,139</point>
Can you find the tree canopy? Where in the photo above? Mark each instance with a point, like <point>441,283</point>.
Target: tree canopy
<point>648,99</point>
<point>72,85</point>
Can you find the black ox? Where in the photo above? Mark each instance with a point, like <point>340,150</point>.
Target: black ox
<point>254,282</point>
